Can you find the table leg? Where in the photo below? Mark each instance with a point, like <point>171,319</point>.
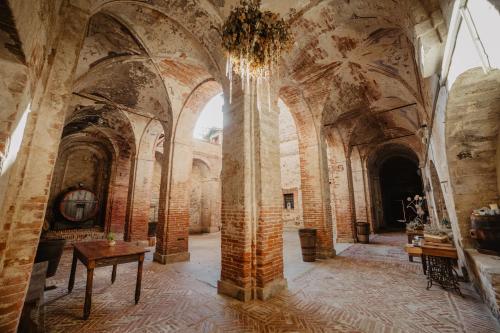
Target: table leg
<point>88,292</point>
<point>71,283</point>
<point>113,274</point>
<point>424,264</point>
<point>430,274</point>
<point>410,258</point>
<point>139,279</point>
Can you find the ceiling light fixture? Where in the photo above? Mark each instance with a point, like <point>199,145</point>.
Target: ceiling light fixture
<point>254,41</point>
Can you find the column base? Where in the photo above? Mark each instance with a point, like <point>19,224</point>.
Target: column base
<point>246,294</point>
<point>170,258</point>
<point>326,254</point>
<point>230,289</point>
<point>271,289</point>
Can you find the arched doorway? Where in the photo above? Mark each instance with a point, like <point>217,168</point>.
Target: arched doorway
<point>399,179</point>
<point>95,155</point>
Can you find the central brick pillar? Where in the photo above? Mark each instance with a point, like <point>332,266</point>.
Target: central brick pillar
<point>252,240</point>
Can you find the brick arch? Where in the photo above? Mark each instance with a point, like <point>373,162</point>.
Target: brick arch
<point>341,186</point>
<point>374,161</point>
<point>101,78</point>
<point>112,128</point>
<point>472,130</point>
<point>141,180</point>
<point>173,219</point>
<point>197,19</point>
<point>15,79</point>
<point>290,165</point>
<point>105,156</point>
<point>316,206</point>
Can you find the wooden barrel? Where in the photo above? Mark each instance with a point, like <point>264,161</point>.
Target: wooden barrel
<point>486,231</point>
<point>79,205</point>
<point>363,232</point>
<point>308,244</point>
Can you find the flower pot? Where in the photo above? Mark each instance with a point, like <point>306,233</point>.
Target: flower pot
<point>111,243</point>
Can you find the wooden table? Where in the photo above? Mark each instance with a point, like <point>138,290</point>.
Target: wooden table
<point>100,253</point>
<point>416,251</point>
<point>440,259</point>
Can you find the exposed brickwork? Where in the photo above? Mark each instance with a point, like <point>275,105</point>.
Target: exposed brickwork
<point>28,194</point>
<point>349,82</point>
<point>341,184</point>
<point>313,172</point>
<point>119,197</point>
<point>174,239</point>
<point>252,245</point>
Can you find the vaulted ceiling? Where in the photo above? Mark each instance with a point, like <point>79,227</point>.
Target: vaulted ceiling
<point>353,60</point>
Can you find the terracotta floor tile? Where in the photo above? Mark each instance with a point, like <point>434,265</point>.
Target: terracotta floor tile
<point>367,288</point>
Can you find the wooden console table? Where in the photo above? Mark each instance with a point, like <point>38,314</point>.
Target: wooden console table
<point>99,254</point>
<point>437,263</point>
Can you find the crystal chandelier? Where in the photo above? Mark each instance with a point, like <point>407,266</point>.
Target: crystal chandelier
<point>253,41</point>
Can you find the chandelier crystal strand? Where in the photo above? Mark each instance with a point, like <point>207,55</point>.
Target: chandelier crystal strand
<point>254,41</point>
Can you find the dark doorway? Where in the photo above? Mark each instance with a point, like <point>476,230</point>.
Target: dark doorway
<point>399,179</point>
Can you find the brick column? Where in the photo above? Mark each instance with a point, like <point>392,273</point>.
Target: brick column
<point>358,185</point>
<point>140,200</point>
<point>173,215</point>
<point>316,192</point>
<point>140,186</point>
<point>119,188</point>
<point>368,196</point>
<point>26,197</point>
<point>252,240</point>
<point>343,194</point>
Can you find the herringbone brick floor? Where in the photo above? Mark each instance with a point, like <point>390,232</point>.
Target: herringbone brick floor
<point>367,288</point>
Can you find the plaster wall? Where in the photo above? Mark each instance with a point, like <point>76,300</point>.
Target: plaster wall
<point>290,168</point>
<point>481,175</point>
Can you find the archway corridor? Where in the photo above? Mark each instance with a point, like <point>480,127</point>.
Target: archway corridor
<point>166,159</point>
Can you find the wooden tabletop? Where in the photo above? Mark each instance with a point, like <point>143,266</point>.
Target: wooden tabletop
<point>433,249</point>
<point>439,250</point>
<point>413,250</point>
<point>96,250</point>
